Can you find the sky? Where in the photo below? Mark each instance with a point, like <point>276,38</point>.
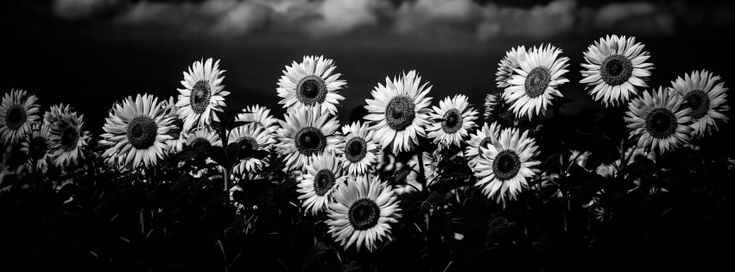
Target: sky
<point>92,53</point>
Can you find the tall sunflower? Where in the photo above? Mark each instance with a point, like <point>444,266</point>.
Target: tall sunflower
<point>658,121</point>
<point>706,97</point>
<point>305,133</point>
<point>457,118</point>
<point>312,82</point>
<point>18,112</point>
<point>203,94</point>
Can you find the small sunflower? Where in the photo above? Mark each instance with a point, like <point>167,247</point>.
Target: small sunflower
<point>509,64</point>
<point>311,83</point>
<point>248,139</point>
<point>487,135</point>
<point>178,134</point>
<point>362,213</point>
<point>17,113</point>
<point>356,148</point>
<point>658,120</point>
<point>306,132</point>
<point>706,96</point>
<point>202,137</point>
<point>136,132</point>
<point>503,167</point>
<point>323,175</point>
<point>616,66</point>
<point>534,85</point>
<point>457,118</point>
<point>259,115</point>
<point>399,111</point>
<point>202,94</point>
<point>68,140</point>
<point>36,147</point>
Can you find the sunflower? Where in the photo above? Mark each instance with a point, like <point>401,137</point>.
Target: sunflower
<point>535,83</point>
<point>356,148</point>
<point>658,121</point>
<point>503,167</point>
<point>309,83</point>
<point>323,175</point>
<point>457,118</point>
<point>202,94</point>
<point>136,132</point>
<point>362,213</point>
<point>615,66</point>
<point>36,147</point>
<point>17,114</point>
<point>487,135</point>
<point>306,132</point>
<point>259,115</point>
<point>707,99</point>
<point>399,111</point>
<point>178,134</point>
<point>202,138</point>
<point>68,140</point>
<point>509,64</point>
<point>248,139</point>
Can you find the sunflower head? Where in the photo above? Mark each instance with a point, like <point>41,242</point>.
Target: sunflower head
<point>311,82</point>
<point>17,113</point>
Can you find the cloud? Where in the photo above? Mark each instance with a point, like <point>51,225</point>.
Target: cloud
<point>536,22</point>
<point>82,9</point>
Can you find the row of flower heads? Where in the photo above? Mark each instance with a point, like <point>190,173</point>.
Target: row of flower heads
<point>339,164</point>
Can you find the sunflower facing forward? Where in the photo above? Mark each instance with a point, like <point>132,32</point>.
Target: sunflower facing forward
<point>36,147</point>
<point>356,148</point>
<point>68,140</point>
<point>306,132</point>
<point>504,166</point>
<point>457,118</point>
<point>136,132</point>
<point>658,120</point>
<point>250,138</point>
<point>310,83</point>
<point>202,95</point>
<point>323,175</point>
<point>706,97</point>
<point>534,85</point>
<point>616,66</point>
<point>362,213</point>
<point>17,113</point>
<point>399,111</point>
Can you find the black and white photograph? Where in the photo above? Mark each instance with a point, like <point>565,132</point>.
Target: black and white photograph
<point>367,135</point>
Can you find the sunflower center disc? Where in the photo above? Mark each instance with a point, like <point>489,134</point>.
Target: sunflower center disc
<point>483,143</point>
<point>16,116</point>
<point>310,140</point>
<point>200,95</point>
<point>506,164</point>
<point>200,144</point>
<point>311,90</point>
<point>69,138</point>
<point>661,123</point>
<point>537,81</point>
<point>247,146</point>
<point>142,132</point>
<point>38,147</point>
<point>356,149</point>
<point>400,112</point>
<point>364,214</point>
<point>452,121</point>
<point>323,181</point>
<point>616,70</point>
<point>699,102</point>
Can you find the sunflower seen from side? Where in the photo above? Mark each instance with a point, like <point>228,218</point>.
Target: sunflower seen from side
<point>508,65</point>
<point>309,83</point>
<point>203,94</point>
<point>455,118</point>
<point>260,116</point>
<point>36,147</point>
<point>492,108</point>
<point>305,133</point>
<point>399,111</point>
<point>178,134</point>
<point>504,167</point>
<point>324,173</point>
<point>658,121</point>
<point>487,135</point>
<point>706,96</point>
<point>362,213</point>
<point>356,148</point>
<point>615,67</point>
<point>201,138</point>
<point>18,111</point>
<point>535,84</point>
<point>68,140</point>
<point>250,140</point>
<point>136,131</point>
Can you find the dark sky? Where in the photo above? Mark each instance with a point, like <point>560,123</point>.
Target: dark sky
<point>91,53</point>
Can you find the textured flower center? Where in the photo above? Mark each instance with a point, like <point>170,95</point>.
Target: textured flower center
<point>616,70</point>
<point>16,116</point>
<point>69,138</point>
<point>699,102</point>
<point>247,146</point>
<point>310,140</point>
<point>355,149</point>
<point>364,214</point>
<point>142,132</point>
<point>38,147</point>
<point>452,121</point>
<point>661,123</point>
<point>537,81</point>
<point>323,181</point>
<point>200,95</point>
<point>311,90</point>
<point>400,112</point>
<point>506,165</point>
